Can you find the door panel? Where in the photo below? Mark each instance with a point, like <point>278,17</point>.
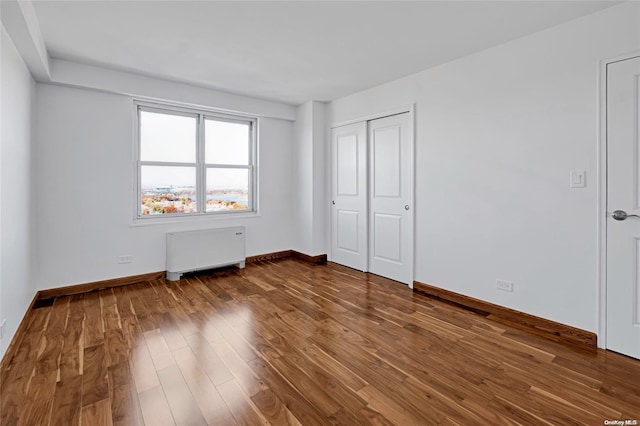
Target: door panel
<point>349,196</point>
<point>623,193</point>
<point>386,153</point>
<point>388,235</point>
<point>347,223</point>
<point>390,210</point>
<point>347,164</point>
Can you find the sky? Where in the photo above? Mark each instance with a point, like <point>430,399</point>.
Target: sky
<point>172,138</point>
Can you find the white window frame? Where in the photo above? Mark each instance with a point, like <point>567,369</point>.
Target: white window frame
<point>201,167</point>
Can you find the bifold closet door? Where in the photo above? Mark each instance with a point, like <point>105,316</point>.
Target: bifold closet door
<point>349,195</point>
<point>390,196</point>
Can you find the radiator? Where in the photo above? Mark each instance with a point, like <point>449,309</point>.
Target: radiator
<point>204,249</point>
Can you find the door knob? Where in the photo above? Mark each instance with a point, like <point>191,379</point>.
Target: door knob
<point>406,207</point>
<point>622,215</point>
<point>333,202</point>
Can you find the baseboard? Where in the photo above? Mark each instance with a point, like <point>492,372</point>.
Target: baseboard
<point>550,329</point>
<point>98,285</point>
<point>285,254</point>
<point>16,340</point>
<point>315,260</point>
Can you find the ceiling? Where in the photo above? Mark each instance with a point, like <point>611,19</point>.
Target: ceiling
<point>294,51</point>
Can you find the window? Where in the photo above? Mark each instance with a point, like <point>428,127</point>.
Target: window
<point>193,163</point>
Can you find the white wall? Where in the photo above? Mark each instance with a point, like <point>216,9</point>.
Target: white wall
<point>497,134</point>
<point>320,201</point>
<point>84,174</point>
<point>303,170</point>
<point>132,84</point>
<point>16,208</point>
<point>308,169</point>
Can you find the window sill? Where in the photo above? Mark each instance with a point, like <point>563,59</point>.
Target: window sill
<point>195,218</point>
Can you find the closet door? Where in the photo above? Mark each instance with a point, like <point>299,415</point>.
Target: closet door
<point>349,196</point>
<point>390,198</point>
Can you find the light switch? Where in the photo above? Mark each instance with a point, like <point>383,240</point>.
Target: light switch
<point>578,179</point>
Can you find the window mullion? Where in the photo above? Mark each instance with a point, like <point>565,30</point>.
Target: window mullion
<point>251,189</point>
<point>200,184</point>
<point>166,164</point>
<point>227,166</point>
<point>138,175</point>
<point>253,149</point>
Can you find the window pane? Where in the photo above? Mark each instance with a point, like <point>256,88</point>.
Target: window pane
<point>167,190</point>
<point>165,137</point>
<point>226,143</point>
<point>227,189</point>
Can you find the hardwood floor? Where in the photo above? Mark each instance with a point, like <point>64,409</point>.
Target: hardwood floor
<point>284,342</point>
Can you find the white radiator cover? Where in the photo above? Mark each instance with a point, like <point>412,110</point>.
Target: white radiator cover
<point>204,249</point>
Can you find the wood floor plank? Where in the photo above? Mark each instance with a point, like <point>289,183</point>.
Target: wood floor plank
<point>347,376</point>
<point>574,393</point>
<point>297,403</point>
<point>159,349</point>
<point>392,410</point>
<point>307,386</point>
<point>132,331</point>
<point>67,402</point>
<point>40,399</point>
<point>155,408</point>
<point>211,405</point>
<point>143,371</point>
<point>208,359</point>
<point>94,328</point>
<point>372,417</point>
<point>183,406</point>
<point>283,342</point>
<point>117,349</point>
<point>95,385</point>
<point>53,338</point>
<point>333,394</point>
<point>233,339</point>
<point>110,313</point>
<point>72,356</point>
<point>243,409</point>
<point>511,412</point>
<point>244,376</point>
<point>14,383</point>
<point>125,406</point>
<point>97,413</point>
<point>274,409</point>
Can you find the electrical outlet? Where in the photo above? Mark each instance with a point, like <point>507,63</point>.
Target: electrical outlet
<point>125,259</point>
<point>504,285</point>
<point>2,324</point>
<point>578,179</point>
